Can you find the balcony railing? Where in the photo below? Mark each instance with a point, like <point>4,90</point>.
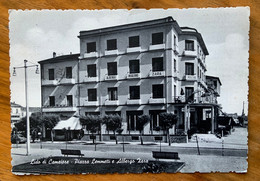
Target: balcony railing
<point>111,52</point>
<point>133,102</point>
<point>190,53</point>
<point>133,49</point>
<point>190,77</point>
<point>90,55</point>
<point>157,73</point>
<point>90,79</point>
<point>66,81</point>
<point>90,103</point>
<point>157,101</point>
<point>111,102</point>
<point>49,82</point>
<point>111,77</point>
<point>133,75</point>
<point>178,99</point>
<point>59,108</point>
<point>157,47</point>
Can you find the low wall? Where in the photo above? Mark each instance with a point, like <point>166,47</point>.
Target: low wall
<point>136,138</point>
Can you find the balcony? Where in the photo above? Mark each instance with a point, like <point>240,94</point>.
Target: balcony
<point>133,49</point>
<point>90,55</point>
<point>49,82</point>
<point>176,49</point>
<point>157,73</point>
<point>133,76</point>
<point>190,53</point>
<point>190,77</point>
<point>111,77</point>
<point>66,81</point>
<point>178,99</point>
<point>90,79</point>
<point>157,101</point>
<point>133,102</point>
<point>157,47</point>
<point>111,102</point>
<point>111,52</point>
<point>90,103</point>
<point>59,108</point>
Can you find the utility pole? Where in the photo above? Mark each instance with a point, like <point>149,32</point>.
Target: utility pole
<point>26,101</point>
<point>27,110</point>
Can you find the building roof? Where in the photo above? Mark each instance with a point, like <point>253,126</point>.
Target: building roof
<point>60,58</point>
<point>212,77</point>
<point>13,104</point>
<point>194,32</point>
<point>162,21</point>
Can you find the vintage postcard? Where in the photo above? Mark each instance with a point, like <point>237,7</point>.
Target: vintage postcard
<point>129,91</point>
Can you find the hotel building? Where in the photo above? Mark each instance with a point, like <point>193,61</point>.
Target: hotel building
<point>141,68</point>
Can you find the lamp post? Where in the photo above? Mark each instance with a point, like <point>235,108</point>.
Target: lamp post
<point>26,100</point>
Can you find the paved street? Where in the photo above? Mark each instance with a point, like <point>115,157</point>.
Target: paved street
<point>233,159</point>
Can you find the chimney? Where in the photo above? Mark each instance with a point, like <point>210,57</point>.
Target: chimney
<point>54,54</point>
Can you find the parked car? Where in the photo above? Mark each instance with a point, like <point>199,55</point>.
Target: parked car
<point>18,138</point>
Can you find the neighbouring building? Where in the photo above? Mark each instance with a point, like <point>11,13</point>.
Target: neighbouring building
<point>141,68</point>
<point>18,112</point>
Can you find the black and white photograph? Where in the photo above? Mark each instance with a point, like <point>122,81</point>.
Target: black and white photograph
<point>129,91</point>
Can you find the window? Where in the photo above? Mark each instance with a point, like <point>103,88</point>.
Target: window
<point>158,91</point>
<point>189,45</point>
<point>134,41</point>
<point>198,49</point>
<point>112,68</point>
<point>134,92</point>
<point>157,64</point>
<point>132,120</point>
<point>92,71</point>
<point>16,111</point>
<point>68,72</point>
<point>69,100</point>
<point>157,38</point>
<point>174,65</point>
<point>174,40</point>
<point>174,91</point>
<point>189,68</point>
<point>51,101</point>
<point>134,66</point>
<point>51,74</point>
<point>112,94</point>
<point>111,44</point>
<point>91,47</point>
<point>189,93</point>
<point>92,94</point>
<point>155,118</point>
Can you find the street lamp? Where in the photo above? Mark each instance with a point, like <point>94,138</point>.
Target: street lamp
<point>26,100</point>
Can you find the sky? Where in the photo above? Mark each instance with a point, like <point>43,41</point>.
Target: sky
<point>35,35</point>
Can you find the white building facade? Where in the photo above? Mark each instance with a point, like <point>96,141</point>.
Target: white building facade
<point>141,68</point>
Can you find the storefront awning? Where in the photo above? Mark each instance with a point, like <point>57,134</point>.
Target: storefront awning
<point>72,123</point>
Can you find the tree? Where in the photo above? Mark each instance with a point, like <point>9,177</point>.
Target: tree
<point>167,121</point>
<point>92,124</point>
<point>141,121</point>
<point>35,124</point>
<point>113,123</point>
